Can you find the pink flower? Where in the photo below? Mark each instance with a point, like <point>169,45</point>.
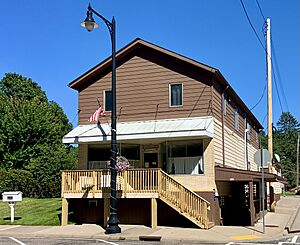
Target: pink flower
<point>122,164</point>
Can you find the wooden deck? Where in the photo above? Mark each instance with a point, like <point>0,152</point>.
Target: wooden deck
<point>138,183</point>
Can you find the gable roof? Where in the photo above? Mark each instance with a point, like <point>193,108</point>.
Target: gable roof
<point>85,79</point>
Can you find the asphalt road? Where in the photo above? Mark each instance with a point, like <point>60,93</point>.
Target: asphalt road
<point>293,240</point>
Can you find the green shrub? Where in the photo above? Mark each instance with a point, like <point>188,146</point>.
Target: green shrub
<point>17,180</point>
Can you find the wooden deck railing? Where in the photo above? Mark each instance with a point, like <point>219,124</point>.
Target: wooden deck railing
<point>144,181</point>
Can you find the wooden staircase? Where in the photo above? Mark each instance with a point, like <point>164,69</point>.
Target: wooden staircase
<point>145,183</point>
<point>186,202</point>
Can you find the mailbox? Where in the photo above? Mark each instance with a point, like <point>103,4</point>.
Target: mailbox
<point>12,196</point>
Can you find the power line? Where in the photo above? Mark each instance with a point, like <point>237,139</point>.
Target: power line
<point>263,121</point>
<point>260,10</point>
<point>248,18</point>
<point>279,75</point>
<point>260,97</point>
<point>276,65</point>
<point>245,11</point>
<point>277,92</point>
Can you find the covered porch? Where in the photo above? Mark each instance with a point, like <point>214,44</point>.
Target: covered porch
<point>180,147</point>
<point>152,184</point>
<point>167,158</point>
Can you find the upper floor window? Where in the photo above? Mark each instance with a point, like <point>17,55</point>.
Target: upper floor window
<point>224,104</point>
<point>249,131</point>
<point>107,100</point>
<point>236,118</point>
<point>176,94</point>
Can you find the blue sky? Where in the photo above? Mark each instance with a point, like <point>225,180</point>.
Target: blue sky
<point>43,40</point>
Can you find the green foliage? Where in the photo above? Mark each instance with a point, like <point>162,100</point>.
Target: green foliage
<point>264,140</point>
<point>285,145</point>
<point>17,180</point>
<point>16,86</point>
<point>46,169</point>
<point>31,131</point>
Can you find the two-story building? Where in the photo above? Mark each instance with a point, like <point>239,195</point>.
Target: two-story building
<point>188,136</point>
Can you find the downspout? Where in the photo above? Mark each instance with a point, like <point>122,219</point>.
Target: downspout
<point>223,126</point>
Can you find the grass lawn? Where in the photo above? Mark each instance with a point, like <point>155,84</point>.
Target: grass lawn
<point>32,211</point>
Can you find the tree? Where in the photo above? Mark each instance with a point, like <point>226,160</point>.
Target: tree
<point>31,132</point>
<point>285,144</point>
<point>16,86</point>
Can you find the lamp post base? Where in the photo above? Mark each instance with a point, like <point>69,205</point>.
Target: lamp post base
<point>112,229</point>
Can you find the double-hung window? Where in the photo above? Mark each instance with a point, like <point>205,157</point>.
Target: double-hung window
<point>107,100</point>
<point>249,131</point>
<point>236,118</point>
<point>176,94</point>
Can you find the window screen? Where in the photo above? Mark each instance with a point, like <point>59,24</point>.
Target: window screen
<point>176,94</point>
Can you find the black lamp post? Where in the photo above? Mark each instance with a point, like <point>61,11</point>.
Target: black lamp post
<point>90,24</point>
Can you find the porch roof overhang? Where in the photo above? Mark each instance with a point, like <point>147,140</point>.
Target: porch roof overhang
<point>168,128</point>
<point>233,174</point>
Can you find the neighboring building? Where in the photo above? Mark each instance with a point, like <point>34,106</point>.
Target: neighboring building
<point>188,136</point>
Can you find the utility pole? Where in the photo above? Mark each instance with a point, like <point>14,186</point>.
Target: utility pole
<point>269,74</point>
<point>297,178</point>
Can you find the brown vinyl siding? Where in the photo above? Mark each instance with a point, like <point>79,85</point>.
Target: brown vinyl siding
<point>143,93</point>
<point>217,101</point>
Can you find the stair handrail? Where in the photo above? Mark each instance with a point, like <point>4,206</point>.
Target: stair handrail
<point>200,214</point>
<point>169,176</point>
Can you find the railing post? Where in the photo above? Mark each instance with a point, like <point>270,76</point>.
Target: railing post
<point>94,183</point>
<point>181,194</point>
<point>125,182</point>
<point>62,183</point>
<point>159,181</point>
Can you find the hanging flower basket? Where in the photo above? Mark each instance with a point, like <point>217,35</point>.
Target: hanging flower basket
<point>122,164</point>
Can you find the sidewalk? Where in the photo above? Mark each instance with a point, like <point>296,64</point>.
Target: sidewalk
<point>276,225</point>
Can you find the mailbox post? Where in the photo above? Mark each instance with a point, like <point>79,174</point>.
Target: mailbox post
<point>12,197</point>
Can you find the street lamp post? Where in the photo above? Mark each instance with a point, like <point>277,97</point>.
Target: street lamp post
<point>90,24</point>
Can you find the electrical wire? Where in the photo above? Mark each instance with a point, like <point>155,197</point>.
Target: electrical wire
<point>245,11</point>
<point>278,74</point>
<point>248,18</point>
<point>260,10</point>
<point>263,121</point>
<point>78,111</point>
<point>261,96</point>
<point>277,91</point>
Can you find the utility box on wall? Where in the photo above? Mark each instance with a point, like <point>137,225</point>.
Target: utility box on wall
<point>12,196</point>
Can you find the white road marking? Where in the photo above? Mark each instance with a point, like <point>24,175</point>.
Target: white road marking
<point>229,243</point>
<point>294,240</point>
<point>17,241</point>
<point>111,243</point>
<point>10,227</point>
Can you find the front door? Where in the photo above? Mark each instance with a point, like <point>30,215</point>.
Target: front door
<point>151,160</point>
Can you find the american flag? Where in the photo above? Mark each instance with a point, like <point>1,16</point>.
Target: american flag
<point>97,114</point>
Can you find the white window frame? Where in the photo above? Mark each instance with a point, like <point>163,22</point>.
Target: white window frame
<point>170,94</point>
<point>224,104</point>
<point>249,132</point>
<point>236,118</point>
<point>104,99</point>
<point>199,165</point>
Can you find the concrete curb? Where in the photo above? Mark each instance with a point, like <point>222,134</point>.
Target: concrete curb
<point>134,237</point>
